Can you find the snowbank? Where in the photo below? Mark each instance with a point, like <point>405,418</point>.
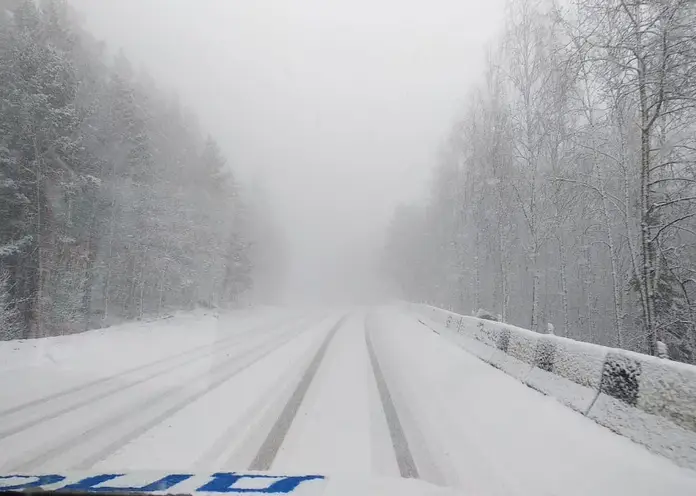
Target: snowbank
<point>35,368</point>
<point>97,345</point>
<point>650,400</point>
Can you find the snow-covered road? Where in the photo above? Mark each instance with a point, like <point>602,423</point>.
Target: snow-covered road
<point>359,391</point>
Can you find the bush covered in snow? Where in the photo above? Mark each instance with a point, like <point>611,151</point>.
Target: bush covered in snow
<point>485,314</point>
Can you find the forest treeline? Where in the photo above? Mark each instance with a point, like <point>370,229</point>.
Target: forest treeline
<point>114,205</point>
<point>566,194</point>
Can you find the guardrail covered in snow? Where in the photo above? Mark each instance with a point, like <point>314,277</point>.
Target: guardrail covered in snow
<point>647,399</point>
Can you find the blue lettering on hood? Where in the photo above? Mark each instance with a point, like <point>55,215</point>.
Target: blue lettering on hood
<point>224,482</point>
<point>90,484</point>
<point>34,481</point>
<point>221,482</point>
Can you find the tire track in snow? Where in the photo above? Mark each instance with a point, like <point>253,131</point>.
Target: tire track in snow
<point>187,357</point>
<point>102,380</point>
<point>269,448</point>
<point>215,451</point>
<point>134,434</point>
<point>404,459</point>
<point>81,438</point>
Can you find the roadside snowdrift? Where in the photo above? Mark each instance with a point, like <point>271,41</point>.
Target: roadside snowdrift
<point>56,363</point>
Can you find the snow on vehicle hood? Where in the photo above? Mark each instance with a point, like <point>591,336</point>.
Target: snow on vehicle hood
<point>247,483</point>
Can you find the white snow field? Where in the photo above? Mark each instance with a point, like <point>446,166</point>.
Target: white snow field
<point>346,392</point>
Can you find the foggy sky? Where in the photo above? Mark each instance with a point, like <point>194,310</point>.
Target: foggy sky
<point>339,107</point>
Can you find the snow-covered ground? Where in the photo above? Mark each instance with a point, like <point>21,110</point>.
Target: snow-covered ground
<point>297,391</point>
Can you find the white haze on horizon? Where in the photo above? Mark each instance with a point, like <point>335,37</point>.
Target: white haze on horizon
<point>338,107</point>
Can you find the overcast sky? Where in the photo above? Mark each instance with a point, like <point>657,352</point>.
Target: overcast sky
<point>340,106</point>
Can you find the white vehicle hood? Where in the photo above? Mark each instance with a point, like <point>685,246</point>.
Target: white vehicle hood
<point>248,483</point>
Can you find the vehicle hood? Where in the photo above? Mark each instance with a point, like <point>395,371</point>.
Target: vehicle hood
<point>248,483</point>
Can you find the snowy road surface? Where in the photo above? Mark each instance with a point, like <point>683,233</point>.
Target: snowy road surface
<point>360,391</point>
